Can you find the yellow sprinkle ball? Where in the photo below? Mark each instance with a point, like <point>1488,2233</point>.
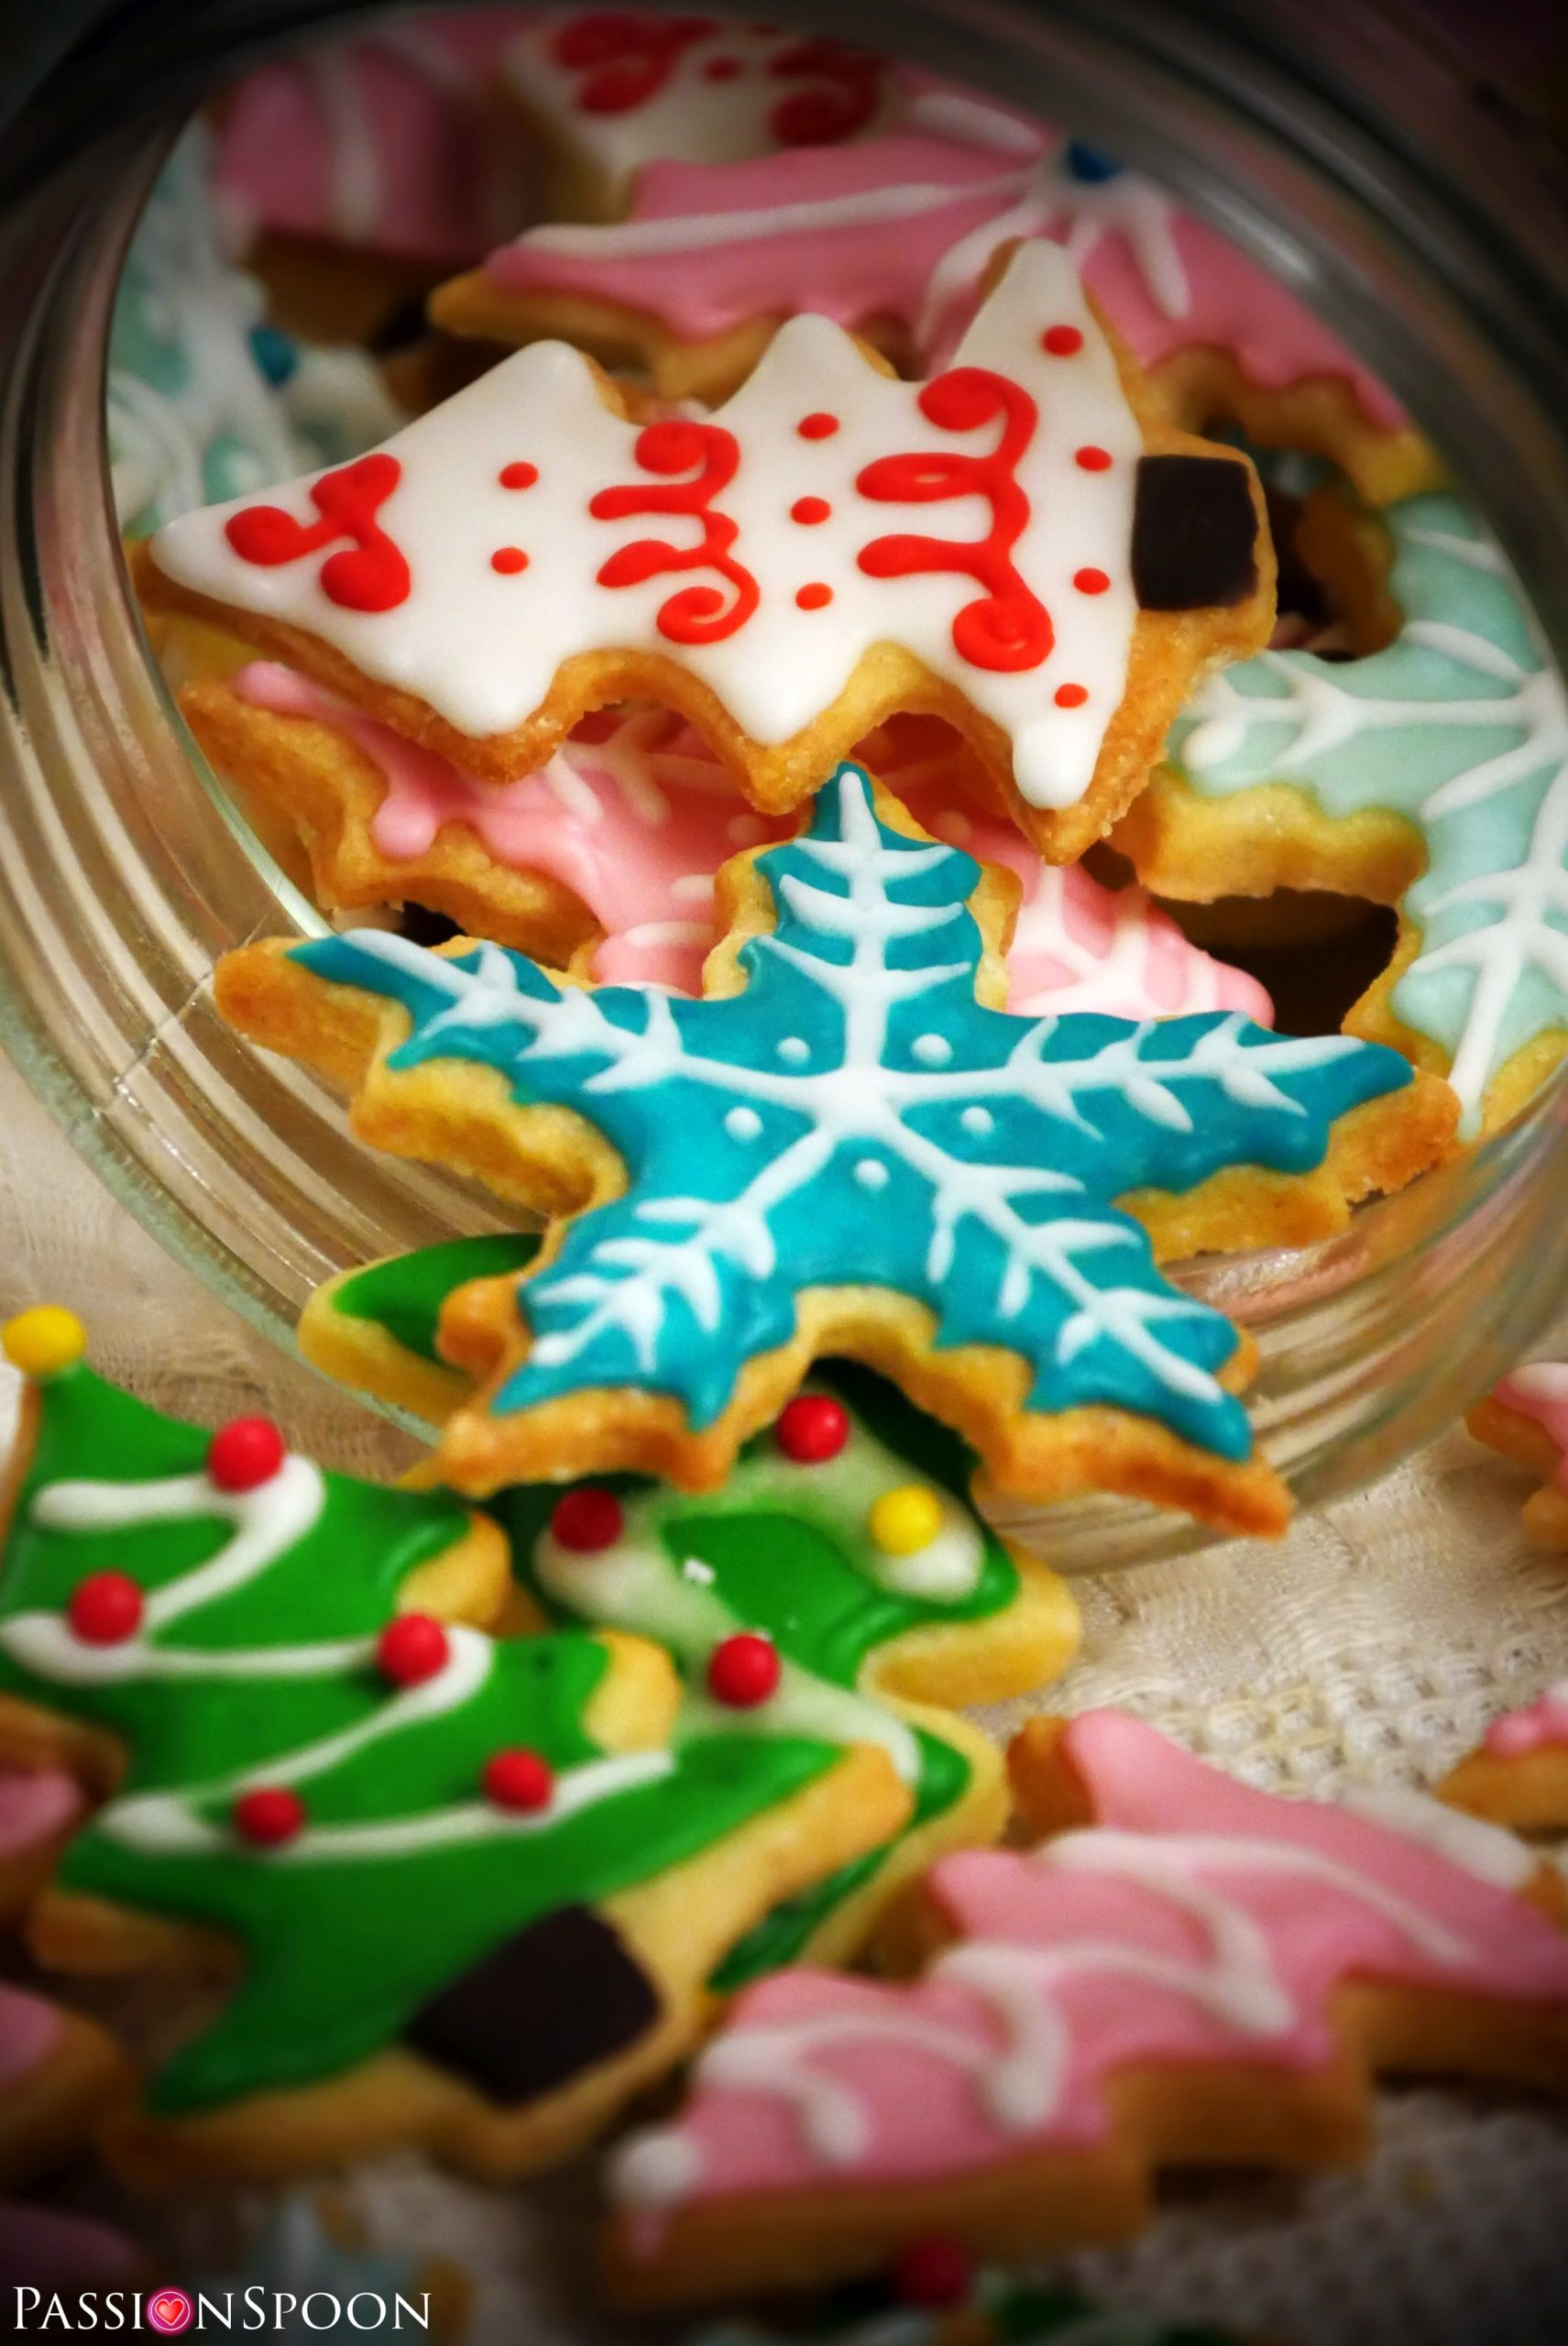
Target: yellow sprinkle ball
<point>906,1519</point>
<point>42,1342</point>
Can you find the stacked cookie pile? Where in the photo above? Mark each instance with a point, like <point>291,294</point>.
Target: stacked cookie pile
<point>810,547</point>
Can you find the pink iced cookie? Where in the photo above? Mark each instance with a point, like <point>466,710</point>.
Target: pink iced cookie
<point>43,2248</point>
<point>1518,1775</point>
<point>381,142</point>
<point>1196,1923</point>
<point>896,231</point>
<point>636,822</point>
<point>38,1808</point>
<point>1526,1416</point>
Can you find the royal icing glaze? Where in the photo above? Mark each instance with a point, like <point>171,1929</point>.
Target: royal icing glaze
<point>789,1550</point>
<point>206,401</point>
<point>1542,1726</point>
<point>1459,725</point>
<point>901,226</point>
<point>635,815</point>
<point>384,141</point>
<point>854,1115</point>
<point>36,1805</point>
<point>288,1782</point>
<point>507,531</point>
<point>1196,1921</point>
<point>619,90</point>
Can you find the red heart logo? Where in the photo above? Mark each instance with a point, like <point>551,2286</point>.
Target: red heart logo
<point>169,2312</point>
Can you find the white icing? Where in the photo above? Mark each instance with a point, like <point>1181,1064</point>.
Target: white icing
<point>482,648</point>
<point>1488,1851</point>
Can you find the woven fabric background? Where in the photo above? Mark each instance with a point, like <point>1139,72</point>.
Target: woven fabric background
<point>1374,1642</point>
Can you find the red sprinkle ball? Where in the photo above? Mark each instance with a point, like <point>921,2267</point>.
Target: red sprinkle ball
<point>1062,342</point>
<point>1071,695</point>
<point>245,1454</point>
<point>819,425</point>
<point>105,1608</point>
<point>412,1649</point>
<point>1091,582</point>
<point>520,1779</point>
<point>268,1816</point>
<point>1093,460</point>
<point>815,596</point>
<point>812,1429</point>
<point>937,2275</point>
<point>810,509</point>
<point>743,1670</point>
<point>509,561</point>
<point>587,1519</point>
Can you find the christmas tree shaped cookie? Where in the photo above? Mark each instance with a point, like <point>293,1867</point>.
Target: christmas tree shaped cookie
<point>845,1541</point>
<point>1430,773</point>
<point>786,572</point>
<point>1186,1971</point>
<point>843,1150</point>
<point>468,1892</point>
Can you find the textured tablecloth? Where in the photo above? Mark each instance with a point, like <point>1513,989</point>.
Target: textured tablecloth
<point>1374,1642</point>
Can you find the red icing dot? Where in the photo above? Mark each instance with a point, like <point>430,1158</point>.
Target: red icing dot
<point>519,1778</point>
<point>586,1519</point>
<point>810,508</point>
<point>722,69</point>
<point>743,1670</point>
<point>1093,460</point>
<point>812,1427</point>
<point>1071,695</point>
<point>1062,341</point>
<point>522,475</point>
<point>509,560</point>
<point>412,1649</point>
<point>268,1816</point>
<point>819,425</point>
<point>934,2274</point>
<point>1091,582</point>
<point>245,1454</point>
<point>812,598</point>
<point>105,1608</point>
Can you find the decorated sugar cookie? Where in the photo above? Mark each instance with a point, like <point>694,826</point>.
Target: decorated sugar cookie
<point>1432,774</point>
<point>1526,1416</point>
<point>378,1329</point>
<point>842,1149</point>
<point>400,1832</point>
<point>625,829</point>
<point>206,399</point>
<point>385,143</point>
<point>57,2074</point>
<point>499,568</point>
<point>1518,1775</point>
<point>611,90</point>
<point>1188,1971</point>
<point>680,246</point>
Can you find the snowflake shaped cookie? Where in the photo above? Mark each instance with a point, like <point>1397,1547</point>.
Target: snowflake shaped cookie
<point>1020,544</point>
<point>1433,774</point>
<point>848,1152</point>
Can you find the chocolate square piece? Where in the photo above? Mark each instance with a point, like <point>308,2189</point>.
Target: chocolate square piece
<point>1194,533</point>
<point>547,2004</point>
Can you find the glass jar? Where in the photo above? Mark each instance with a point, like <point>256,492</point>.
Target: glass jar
<point>1355,167</point>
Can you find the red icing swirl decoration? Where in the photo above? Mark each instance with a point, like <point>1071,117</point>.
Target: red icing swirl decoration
<point>625,59</point>
<point>1007,627</point>
<point>842,102</point>
<point>368,574</point>
<point>709,455</point>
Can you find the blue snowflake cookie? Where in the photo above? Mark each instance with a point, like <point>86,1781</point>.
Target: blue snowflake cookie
<point>850,1153</point>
